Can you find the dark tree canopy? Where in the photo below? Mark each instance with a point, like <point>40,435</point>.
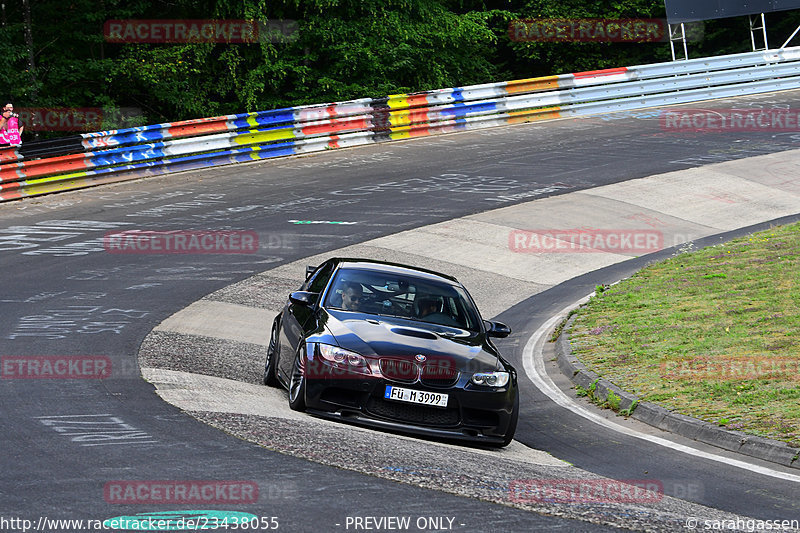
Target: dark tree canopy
<point>337,50</point>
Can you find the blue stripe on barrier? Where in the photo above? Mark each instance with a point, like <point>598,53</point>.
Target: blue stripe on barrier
<point>264,118</point>
<point>460,110</point>
<point>126,155</point>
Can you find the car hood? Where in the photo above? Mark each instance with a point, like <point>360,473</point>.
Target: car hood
<point>373,335</point>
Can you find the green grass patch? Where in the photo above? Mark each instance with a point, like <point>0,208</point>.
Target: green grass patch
<point>711,333</point>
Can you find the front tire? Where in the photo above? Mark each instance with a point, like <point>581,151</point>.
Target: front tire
<point>297,382</point>
<point>272,357</point>
<point>512,427</point>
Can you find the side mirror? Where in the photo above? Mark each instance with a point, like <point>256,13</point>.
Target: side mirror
<point>497,329</point>
<point>310,270</point>
<point>306,299</point>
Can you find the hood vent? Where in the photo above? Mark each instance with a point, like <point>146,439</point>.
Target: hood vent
<point>418,333</point>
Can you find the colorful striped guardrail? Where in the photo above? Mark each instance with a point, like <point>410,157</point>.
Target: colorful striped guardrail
<point>109,156</point>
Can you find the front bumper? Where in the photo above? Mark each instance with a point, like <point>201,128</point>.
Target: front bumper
<point>474,413</point>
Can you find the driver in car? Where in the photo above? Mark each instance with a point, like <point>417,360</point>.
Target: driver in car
<point>351,296</point>
<point>428,306</point>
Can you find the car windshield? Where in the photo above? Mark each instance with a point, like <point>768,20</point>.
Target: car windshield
<point>409,297</point>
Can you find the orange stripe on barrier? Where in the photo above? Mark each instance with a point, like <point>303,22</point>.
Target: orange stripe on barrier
<point>419,131</point>
<point>546,113</point>
<point>532,84</point>
<point>417,100</point>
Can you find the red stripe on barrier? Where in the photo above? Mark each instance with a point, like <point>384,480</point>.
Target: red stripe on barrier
<point>191,128</point>
<point>10,172</point>
<point>9,154</point>
<point>420,115</point>
<point>44,167</point>
<point>10,196</point>
<point>599,73</point>
<point>337,126</point>
<point>11,191</point>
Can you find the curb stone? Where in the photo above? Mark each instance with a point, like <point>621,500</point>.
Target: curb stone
<point>664,419</point>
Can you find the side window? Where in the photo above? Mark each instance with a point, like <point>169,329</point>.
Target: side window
<point>320,278</point>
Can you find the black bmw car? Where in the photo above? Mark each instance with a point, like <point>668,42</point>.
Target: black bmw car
<point>394,347</point>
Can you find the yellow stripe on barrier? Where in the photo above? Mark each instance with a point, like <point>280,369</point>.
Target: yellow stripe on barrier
<point>399,135</point>
<point>397,101</point>
<point>60,177</point>
<point>63,182</point>
<point>252,120</point>
<point>404,101</point>
<point>399,118</point>
<point>264,136</point>
<point>75,183</point>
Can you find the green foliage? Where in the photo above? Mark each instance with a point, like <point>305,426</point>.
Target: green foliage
<point>629,410</point>
<point>342,49</point>
<point>612,401</point>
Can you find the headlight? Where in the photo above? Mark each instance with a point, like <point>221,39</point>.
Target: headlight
<point>342,357</point>
<point>490,379</point>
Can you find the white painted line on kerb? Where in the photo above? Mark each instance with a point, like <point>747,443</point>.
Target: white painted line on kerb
<point>533,362</point>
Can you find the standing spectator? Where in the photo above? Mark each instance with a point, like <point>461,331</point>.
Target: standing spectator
<point>10,130</point>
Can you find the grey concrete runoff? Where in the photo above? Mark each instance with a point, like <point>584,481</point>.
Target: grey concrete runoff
<point>182,356</point>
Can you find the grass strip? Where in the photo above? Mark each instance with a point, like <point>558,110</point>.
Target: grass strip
<point>712,334</point>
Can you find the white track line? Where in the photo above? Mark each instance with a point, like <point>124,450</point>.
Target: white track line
<point>533,362</point>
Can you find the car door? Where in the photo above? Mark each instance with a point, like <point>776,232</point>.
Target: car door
<point>296,318</point>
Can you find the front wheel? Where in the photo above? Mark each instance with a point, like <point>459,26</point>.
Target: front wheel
<point>272,357</point>
<point>297,383</point>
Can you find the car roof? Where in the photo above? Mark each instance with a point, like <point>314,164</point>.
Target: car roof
<point>392,268</point>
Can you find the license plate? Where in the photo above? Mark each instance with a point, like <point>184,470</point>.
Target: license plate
<point>415,396</point>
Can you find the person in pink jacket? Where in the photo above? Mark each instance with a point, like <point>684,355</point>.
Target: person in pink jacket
<point>10,130</point>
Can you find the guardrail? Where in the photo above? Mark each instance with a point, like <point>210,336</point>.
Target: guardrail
<point>117,155</point>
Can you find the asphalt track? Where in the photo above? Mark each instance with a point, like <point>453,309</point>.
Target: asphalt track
<point>64,295</point>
